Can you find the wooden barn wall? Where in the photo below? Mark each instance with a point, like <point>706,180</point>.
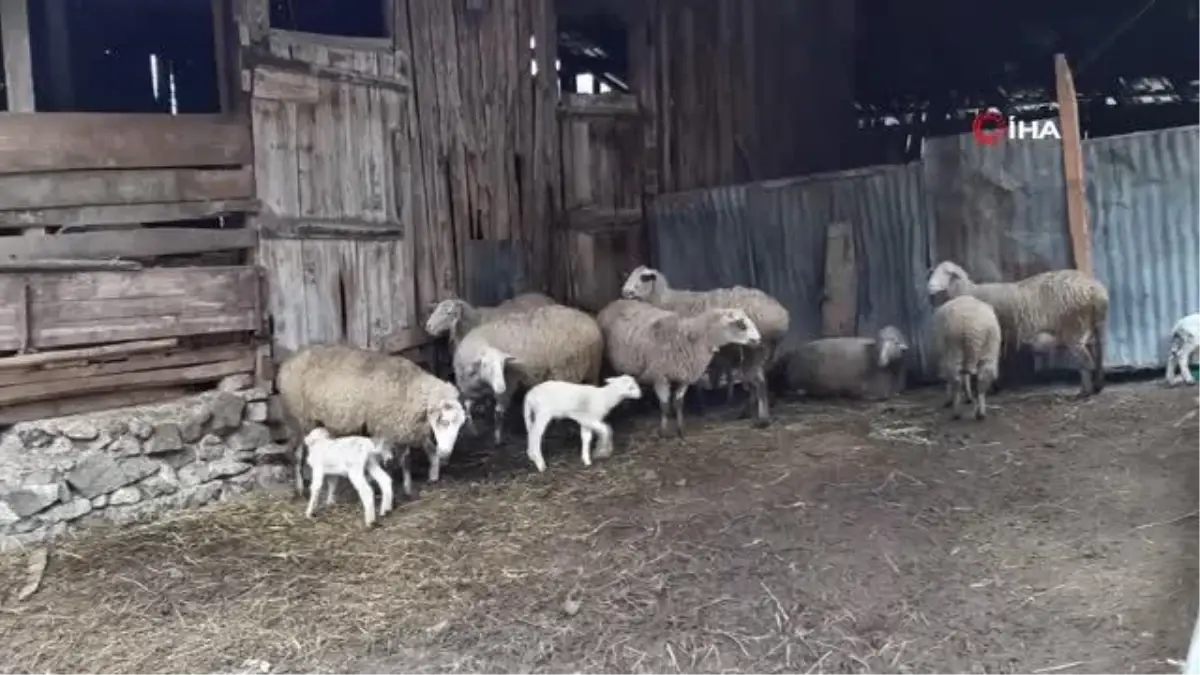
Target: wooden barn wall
<point>743,90</point>
<point>484,145</point>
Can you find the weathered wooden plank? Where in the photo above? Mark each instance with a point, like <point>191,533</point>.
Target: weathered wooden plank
<point>275,84</point>
<point>1068,115</point>
<point>18,60</point>
<point>611,104</point>
<point>67,141</point>
<point>303,228</point>
<point>261,60</point>
<point>53,314</point>
<point>102,352</point>
<point>294,38</point>
<point>68,265</point>
<point>195,282</point>
<point>125,213</point>
<point>132,186</point>
<point>601,217</point>
<point>142,328</point>
<point>146,243</point>
<point>24,412</point>
<point>133,364</point>
<point>29,393</point>
<point>283,261</point>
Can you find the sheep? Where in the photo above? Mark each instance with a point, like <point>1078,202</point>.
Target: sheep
<point>769,316</point>
<point>553,342</point>
<point>1185,343</point>
<point>353,391</point>
<point>353,457</point>
<point>586,404</point>
<point>966,336</point>
<point>670,351</point>
<point>868,368</point>
<point>1057,307</point>
<point>456,317</point>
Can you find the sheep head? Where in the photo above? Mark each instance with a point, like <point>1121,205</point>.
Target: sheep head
<point>445,315</point>
<point>735,327</point>
<point>446,418</point>
<point>624,385</point>
<point>946,281</point>
<point>891,345</point>
<point>642,283</point>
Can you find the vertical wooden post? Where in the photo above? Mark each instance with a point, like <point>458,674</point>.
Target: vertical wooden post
<point>839,313</point>
<point>18,63</point>
<point>1068,115</point>
<point>225,74</point>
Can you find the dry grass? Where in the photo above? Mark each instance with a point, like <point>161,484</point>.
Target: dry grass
<point>843,538</point>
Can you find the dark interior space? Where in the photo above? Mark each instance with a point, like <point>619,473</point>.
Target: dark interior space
<point>935,62</point>
<point>124,56</point>
<point>594,43</point>
<point>353,18</point>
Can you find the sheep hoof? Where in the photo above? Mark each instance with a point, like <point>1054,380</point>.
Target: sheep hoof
<point>762,422</point>
<point>979,415</point>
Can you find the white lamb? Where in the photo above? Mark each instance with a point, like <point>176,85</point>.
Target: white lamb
<point>1185,342</point>
<point>352,457</point>
<point>586,404</point>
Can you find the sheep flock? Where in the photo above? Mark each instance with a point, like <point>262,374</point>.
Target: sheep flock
<point>352,411</point>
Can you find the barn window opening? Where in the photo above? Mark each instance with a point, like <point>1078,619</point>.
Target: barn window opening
<point>593,53</point>
<point>349,18</point>
<point>118,56</point>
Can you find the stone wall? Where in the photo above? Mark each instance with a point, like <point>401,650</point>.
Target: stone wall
<point>131,464</point>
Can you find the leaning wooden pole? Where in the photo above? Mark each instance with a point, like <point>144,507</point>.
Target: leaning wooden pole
<point>1068,116</point>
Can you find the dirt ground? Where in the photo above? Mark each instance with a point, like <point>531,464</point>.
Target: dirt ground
<point>1057,536</point>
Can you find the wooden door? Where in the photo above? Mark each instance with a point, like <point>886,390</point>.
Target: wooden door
<point>331,145</point>
<point>603,185</point>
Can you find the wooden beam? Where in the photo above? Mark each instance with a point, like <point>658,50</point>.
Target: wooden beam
<point>590,218</point>
<point>18,60</point>
<point>131,364</point>
<point>1068,115</point>
<point>612,104</point>
<point>839,309</point>
<point>51,265</point>
<point>126,213</point>
<point>41,391</point>
<point>142,243</point>
<point>24,412</point>
<point>66,141</point>
<point>281,227</point>
<point>123,186</point>
<point>105,351</point>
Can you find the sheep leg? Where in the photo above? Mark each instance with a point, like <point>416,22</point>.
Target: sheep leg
<point>435,467</point>
<point>759,380</point>
<point>314,491</point>
<point>365,495</point>
<point>498,417</point>
<point>533,443</point>
<point>677,404</point>
<point>385,486</point>
<point>961,383</point>
<point>1083,354</point>
<point>405,463</point>
<point>331,492</point>
<point>662,389</point>
<point>585,444</point>
<point>951,387</point>
<point>605,449</point>
<point>1171,365</point>
<point>983,380</point>
<point>1185,359</point>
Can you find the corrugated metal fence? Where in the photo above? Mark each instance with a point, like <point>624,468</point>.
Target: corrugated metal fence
<point>1000,211</point>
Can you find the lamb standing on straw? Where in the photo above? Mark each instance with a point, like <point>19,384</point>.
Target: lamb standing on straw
<point>586,404</point>
<point>351,457</point>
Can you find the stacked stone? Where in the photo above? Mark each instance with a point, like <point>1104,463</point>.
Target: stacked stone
<point>135,464</point>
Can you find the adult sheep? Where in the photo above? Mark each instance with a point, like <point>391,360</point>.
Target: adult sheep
<point>670,351</point>
<point>966,336</point>
<point>456,317</point>
<point>768,315</point>
<point>867,368</point>
<point>522,349</point>
<point>1061,306</point>
<point>352,391</point>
